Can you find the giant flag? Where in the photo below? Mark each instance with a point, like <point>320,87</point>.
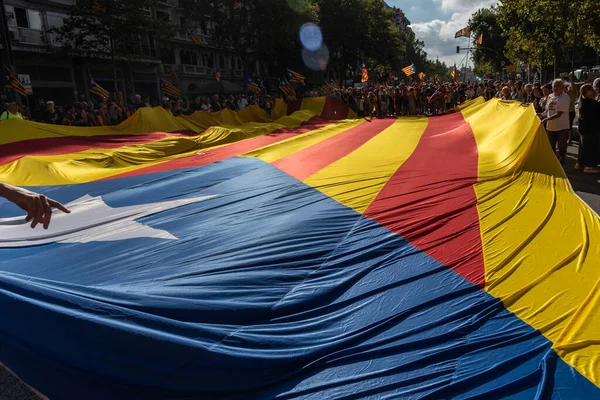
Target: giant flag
<point>304,254</point>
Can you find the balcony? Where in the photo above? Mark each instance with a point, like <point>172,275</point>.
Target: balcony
<point>193,70</point>
<point>29,36</point>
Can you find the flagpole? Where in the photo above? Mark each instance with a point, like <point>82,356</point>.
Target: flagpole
<point>467,62</point>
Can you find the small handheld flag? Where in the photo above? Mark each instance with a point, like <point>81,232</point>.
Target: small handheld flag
<point>410,70</point>
<point>365,75</point>
<point>218,73</point>
<point>14,83</point>
<point>295,77</point>
<point>169,89</point>
<point>96,89</point>
<point>422,76</point>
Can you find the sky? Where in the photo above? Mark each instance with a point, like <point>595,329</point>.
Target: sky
<point>436,21</point>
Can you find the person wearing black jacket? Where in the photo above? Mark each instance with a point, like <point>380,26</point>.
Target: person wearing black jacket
<point>589,130</point>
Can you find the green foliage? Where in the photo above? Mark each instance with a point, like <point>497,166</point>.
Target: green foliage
<point>266,29</point>
<point>489,59</point>
<point>433,68</point>
<point>110,29</point>
<point>537,31</point>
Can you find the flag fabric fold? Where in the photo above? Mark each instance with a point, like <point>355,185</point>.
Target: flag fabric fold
<point>303,254</point>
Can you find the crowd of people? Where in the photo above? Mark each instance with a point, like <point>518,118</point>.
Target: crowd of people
<point>554,102</point>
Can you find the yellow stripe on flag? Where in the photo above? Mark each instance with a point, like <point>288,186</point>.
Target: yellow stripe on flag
<point>541,243</point>
<point>293,145</point>
<point>98,163</point>
<point>356,179</point>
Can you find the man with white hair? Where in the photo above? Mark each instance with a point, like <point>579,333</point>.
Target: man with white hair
<point>556,116</point>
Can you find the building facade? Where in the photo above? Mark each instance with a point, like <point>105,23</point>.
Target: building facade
<point>185,60</point>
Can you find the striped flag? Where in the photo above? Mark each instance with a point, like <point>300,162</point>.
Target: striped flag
<point>253,86</point>
<point>455,74</point>
<point>295,77</point>
<point>96,89</point>
<point>432,257</point>
<point>14,83</point>
<point>365,75</point>
<point>479,40</point>
<point>169,89</point>
<point>422,76</point>
<point>410,70</point>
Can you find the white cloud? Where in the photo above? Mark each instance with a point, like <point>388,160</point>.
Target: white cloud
<point>438,35</point>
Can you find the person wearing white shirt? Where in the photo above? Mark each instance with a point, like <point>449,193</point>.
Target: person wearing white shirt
<point>556,117</point>
<point>242,103</point>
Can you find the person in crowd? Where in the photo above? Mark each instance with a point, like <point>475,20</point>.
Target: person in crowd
<point>50,115</point>
<point>114,113</point>
<point>37,206</point>
<point>81,116</point>
<point>589,130</point>
<point>11,112</point>
<point>137,103</point>
<point>215,104</point>
<point>528,97</point>
<point>506,94</point>
<point>556,117</point>
<point>571,91</point>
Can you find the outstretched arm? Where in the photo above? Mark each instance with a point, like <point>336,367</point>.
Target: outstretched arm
<point>37,206</point>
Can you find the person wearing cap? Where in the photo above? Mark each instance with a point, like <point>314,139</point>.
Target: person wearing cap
<point>12,112</point>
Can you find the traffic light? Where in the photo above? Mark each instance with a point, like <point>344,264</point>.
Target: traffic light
<point>457,49</point>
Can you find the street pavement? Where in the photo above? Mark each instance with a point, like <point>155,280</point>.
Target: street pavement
<point>587,186</point>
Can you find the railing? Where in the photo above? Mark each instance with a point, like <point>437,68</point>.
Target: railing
<point>30,36</point>
<point>193,70</point>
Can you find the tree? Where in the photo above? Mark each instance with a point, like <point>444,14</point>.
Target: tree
<point>537,32</point>
<point>489,60</point>
<point>111,29</point>
<point>437,68</point>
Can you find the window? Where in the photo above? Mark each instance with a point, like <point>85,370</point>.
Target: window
<point>163,16</point>
<point>31,19</point>
<point>21,17</point>
<point>55,20</point>
<point>35,19</point>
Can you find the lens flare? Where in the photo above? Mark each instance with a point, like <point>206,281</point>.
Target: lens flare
<point>311,36</point>
<point>316,60</point>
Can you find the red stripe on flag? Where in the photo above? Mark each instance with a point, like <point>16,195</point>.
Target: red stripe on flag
<point>70,144</point>
<point>305,163</point>
<point>232,150</point>
<point>335,109</point>
<point>431,201</point>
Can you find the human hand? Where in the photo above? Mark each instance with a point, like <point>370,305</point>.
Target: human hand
<point>37,206</point>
